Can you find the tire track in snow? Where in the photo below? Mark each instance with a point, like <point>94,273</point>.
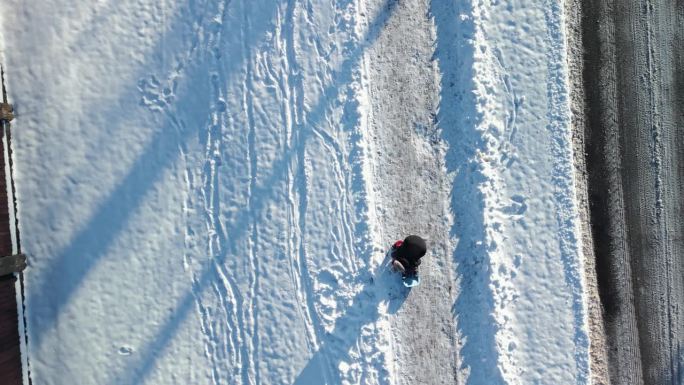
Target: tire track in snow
<point>608,216</point>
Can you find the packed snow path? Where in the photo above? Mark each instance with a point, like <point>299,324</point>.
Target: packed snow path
<point>208,190</point>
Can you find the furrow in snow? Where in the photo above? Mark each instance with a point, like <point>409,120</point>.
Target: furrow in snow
<point>250,372</point>
<point>219,322</point>
<point>293,87</point>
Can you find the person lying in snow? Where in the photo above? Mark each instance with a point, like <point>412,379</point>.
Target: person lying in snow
<point>406,254</point>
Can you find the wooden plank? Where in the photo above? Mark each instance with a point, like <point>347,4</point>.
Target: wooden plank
<point>10,353</point>
<point>12,264</point>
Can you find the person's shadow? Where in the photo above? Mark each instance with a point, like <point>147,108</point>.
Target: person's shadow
<point>383,294</point>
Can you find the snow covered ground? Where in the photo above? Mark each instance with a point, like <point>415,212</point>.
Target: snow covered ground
<point>207,191</point>
<point>519,262</point>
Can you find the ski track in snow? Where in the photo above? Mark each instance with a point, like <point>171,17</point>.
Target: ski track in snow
<point>217,207</point>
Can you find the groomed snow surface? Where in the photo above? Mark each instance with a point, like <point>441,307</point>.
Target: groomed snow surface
<point>207,190</point>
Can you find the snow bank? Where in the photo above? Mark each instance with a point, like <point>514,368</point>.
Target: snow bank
<point>505,114</point>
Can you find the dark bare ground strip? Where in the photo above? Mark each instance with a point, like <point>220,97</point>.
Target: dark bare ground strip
<point>634,143</point>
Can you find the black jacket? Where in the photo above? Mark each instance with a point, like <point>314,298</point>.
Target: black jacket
<point>410,252</point>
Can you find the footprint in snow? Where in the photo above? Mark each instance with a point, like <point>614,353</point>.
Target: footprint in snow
<point>517,207</point>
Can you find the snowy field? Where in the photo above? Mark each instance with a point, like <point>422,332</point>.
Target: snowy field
<point>207,190</point>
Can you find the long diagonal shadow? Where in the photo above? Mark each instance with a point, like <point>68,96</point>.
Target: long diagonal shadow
<point>458,116</point>
<point>138,370</point>
<point>72,264</point>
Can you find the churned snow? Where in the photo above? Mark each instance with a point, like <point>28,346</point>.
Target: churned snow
<point>207,190</point>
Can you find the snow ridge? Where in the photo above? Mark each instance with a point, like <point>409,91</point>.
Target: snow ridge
<point>475,158</point>
<point>563,181</point>
<point>522,178</point>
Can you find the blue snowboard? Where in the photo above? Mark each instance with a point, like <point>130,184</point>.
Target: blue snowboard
<point>411,280</point>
